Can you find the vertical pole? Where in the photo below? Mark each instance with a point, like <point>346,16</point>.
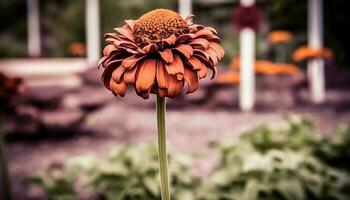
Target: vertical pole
<point>33,24</point>
<point>247,65</point>
<point>185,7</point>
<point>92,26</point>
<point>316,73</point>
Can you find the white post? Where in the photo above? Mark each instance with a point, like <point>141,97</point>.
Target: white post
<point>33,28</point>
<point>185,7</point>
<point>92,26</point>
<point>247,65</point>
<point>315,40</point>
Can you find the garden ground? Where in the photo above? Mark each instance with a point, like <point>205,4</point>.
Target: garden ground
<point>191,126</point>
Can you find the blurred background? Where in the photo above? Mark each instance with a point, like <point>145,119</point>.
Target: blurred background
<point>69,138</point>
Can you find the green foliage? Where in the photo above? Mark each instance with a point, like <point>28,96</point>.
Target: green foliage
<point>129,172</point>
<point>288,161</point>
<point>57,182</point>
<point>279,162</point>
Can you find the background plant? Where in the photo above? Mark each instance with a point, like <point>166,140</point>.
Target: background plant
<point>289,160</point>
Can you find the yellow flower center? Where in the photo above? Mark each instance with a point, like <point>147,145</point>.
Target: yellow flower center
<point>158,24</point>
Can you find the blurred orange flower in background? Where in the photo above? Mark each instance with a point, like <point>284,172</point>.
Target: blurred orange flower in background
<point>305,53</point>
<point>158,53</point>
<point>231,78</point>
<point>267,67</point>
<point>77,49</point>
<point>279,36</point>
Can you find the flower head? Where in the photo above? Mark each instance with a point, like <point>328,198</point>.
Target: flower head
<point>158,53</point>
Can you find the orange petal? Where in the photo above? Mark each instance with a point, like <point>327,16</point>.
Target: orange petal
<point>202,72</point>
<point>126,32</point>
<point>118,88</point>
<point>183,38</point>
<point>109,49</point>
<point>131,61</point>
<point>176,66</point>
<point>203,55</point>
<point>211,29</point>
<point>200,42</point>
<point>130,75</point>
<point>170,40</point>
<point>204,33</point>
<point>118,73</point>
<point>213,56</point>
<point>174,86</point>
<point>218,49</point>
<point>191,79</point>
<point>101,61</point>
<point>161,75</point>
<point>188,18</point>
<point>167,55</point>
<point>185,50</point>
<point>130,23</point>
<point>146,76</point>
<point>151,48</point>
<point>196,64</point>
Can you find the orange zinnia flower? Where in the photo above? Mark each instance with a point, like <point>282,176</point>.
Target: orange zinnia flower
<point>305,52</point>
<point>279,36</point>
<point>158,53</point>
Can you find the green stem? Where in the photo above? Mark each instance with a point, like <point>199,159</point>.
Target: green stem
<point>4,174</point>
<point>162,152</point>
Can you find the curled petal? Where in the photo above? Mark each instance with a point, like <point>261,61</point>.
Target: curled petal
<point>201,54</point>
<point>130,23</point>
<point>151,48</point>
<point>204,33</point>
<point>131,61</point>
<point>200,42</point>
<point>191,79</point>
<point>195,63</point>
<point>109,49</point>
<point>188,18</point>
<point>211,29</point>
<point>183,38</point>
<point>196,27</point>
<point>167,55</point>
<point>185,50</point>
<point>213,56</point>
<point>126,32</point>
<point>118,73</point>
<point>130,75</point>
<point>217,48</point>
<point>215,38</point>
<point>118,88</point>
<point>101,61</point>
<point>215,71</point>
<point>162,75</point>
<point>176,66</point>
<point>110,62</point>
<point>174,87</point>
<point>146,76</point>
<point>202,72</point>
<point>170,40</point>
